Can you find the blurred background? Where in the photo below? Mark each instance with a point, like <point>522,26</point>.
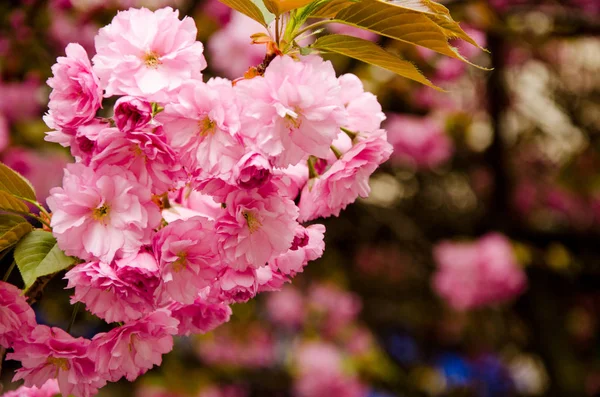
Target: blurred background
<point>472,270</point>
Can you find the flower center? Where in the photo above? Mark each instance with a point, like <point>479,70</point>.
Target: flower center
<point>293,120</point>
<point>206,126</point>
<point>151,59</point>
<point>251,220</point>
<point>180,263</point>
<point>100,212</point>
<point>58,363</point>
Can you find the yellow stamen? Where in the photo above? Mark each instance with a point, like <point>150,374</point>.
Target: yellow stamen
<point>180,263</point>
<point>152,59</point>
<point>101,212</point>
<point>207,126</point>
<point>253,223</point>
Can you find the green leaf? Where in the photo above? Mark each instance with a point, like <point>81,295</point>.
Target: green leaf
<point>8,202</point>
<point>12,228</point>
<point>246,7</point>
<point>37,255</point>
<point>370,53</point>
<point>419,22</point>
<point>13,182</point>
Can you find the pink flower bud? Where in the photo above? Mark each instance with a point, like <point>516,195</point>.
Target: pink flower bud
<point>253,170</point>
<point>132,114</point>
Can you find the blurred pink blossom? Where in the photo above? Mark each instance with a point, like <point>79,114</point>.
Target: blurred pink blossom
<point>479,273</point>
<point>418,141</point>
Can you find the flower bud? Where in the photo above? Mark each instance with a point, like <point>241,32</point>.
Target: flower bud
<point>253,170</point>
<point>132,114</point>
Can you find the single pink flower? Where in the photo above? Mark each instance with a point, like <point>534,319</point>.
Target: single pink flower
<point>364,111</point>
<point>199,317</point>
<point>48,389</point>
<point>133,348</point>
<point>132,114</point>
<point>307,245</point>
<point>252,171</point>
<point>120,291</point>
<point>187,255</point>
<point>253,229</point>
<point>420,141</point>
<point>294,110</point>
<point>16,317</point>
<point>76,94</point>
<point>202,124</point>
<point>48,353</point>
<point>346,179</point>
<point>101,214</point>
<point>476,274</point>
<point>238,286</point>
<point>145,153</point>
<point>148,54</point>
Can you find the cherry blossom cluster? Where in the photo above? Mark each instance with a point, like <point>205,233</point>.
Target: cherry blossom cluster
<point>190,197</point>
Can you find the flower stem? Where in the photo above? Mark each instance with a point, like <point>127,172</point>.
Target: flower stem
<point>336,151</point>
<point>351,134</point>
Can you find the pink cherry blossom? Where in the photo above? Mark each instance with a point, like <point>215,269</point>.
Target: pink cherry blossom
<point>202,125</point>
<point>418,140</point>
<point>321,373</point>
<point>364,111</point>
<point>253,228</point>
<point>346,179</point>
<point>252,171</point>
<point>145,153</point>
<point>132,349</point>
<point>16,317</point>
<point>286,307</point>
<point>49,353</point>
<point>120,291</point>
<point>338,307</point>
<point>234,42</point>
<point>294,110</point>
<point>186,251</point>
<point>101,214</point>
<point>199,317</point>
<point>21,100</point>
<point>132,114</point>
<point>147,54</point>
<point>238,286</point>
<point>290,180</point>
<point>307,246</point>
<point>479,273</point>
<point>76,94</point>
<point>48,389</point>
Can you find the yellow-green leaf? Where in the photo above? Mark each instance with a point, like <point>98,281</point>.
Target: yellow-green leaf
<point>12,228</point>
<point>13,182</point>
<point>246,7</point>
<point>420,22</point>
<point>8,202</point>
<point>38,255</point>
<point>370,53</point>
